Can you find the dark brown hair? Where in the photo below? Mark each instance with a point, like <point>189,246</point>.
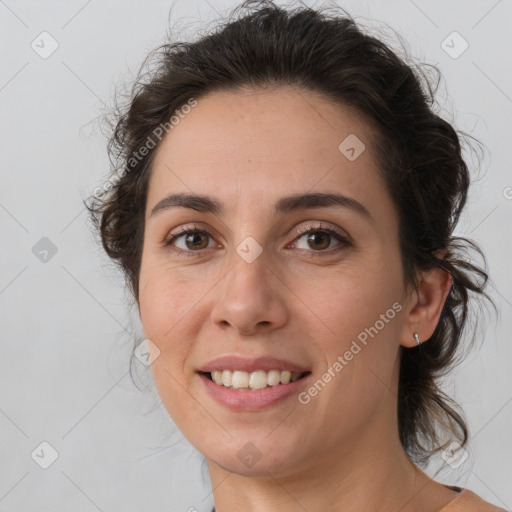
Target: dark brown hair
<point>419,154</point>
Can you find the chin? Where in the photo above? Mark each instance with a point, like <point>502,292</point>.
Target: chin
<point>256,459</point>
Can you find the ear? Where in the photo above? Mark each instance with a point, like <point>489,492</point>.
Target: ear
<point>425,306</point>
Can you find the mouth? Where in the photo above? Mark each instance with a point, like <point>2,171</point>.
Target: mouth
<point>252,383</point>
<point>255,380</point>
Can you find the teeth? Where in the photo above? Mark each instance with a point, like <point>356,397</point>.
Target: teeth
<point>256,380</point>
<point>259,379</point>
<point>239,379</point>
<point>273,377</point>
<point>226,378</point>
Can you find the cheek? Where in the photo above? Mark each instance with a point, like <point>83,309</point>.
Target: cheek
<point>354,298</point>
<point>164,299</point>
<point>359,356</point>
<point>163,315</point>
<point>362,311</point>
<point>165,307</point>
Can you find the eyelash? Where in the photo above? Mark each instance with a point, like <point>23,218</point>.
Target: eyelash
<point>305,230</point>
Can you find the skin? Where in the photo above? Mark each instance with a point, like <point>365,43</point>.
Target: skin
<point>340,451</point>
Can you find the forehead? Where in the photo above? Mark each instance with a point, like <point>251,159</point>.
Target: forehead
<point>245,146</point>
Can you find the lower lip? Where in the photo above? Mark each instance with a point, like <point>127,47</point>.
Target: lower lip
<point>249,400</point>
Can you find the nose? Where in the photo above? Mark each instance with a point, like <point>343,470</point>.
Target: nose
<point>251,298</point>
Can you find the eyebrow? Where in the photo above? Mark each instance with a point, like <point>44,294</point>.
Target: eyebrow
<point>288,204</point>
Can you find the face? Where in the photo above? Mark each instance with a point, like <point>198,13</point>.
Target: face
<point>315,284</point>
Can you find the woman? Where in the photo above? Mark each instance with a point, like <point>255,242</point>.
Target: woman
<point>282,205</point>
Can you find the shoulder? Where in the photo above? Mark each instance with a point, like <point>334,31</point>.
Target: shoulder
<point>468,501</point>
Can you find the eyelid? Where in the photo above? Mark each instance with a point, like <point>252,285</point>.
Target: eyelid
<point>320,226</point>
<point>343,237</point>
<point>184,230</point>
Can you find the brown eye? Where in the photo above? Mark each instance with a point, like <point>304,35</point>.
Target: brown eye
<point>319,240</point>
<point>193,240</point>
<point>196,240</point>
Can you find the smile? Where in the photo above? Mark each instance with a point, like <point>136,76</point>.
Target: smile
<point>259,379</point>
<point>250,399</point>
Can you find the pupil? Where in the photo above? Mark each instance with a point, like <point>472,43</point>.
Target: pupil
<point>324,235</point>
<point>196,241</point>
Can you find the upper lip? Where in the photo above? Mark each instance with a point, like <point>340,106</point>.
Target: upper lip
<point>249,364</point>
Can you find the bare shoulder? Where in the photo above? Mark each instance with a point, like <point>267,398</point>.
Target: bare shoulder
<point>469,501</point>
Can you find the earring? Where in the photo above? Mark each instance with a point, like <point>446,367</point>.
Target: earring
<point>417,338</point>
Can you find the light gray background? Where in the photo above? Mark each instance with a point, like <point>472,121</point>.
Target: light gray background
<point>64,322</point>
